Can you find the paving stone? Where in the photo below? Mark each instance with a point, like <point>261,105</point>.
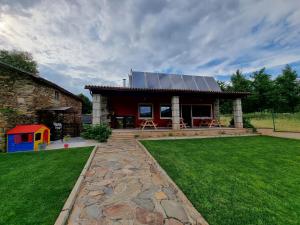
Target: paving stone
<point>145,203</point>
<point>175,210</point>
<point>147,217</point>
<point>170,192</point>
<point>124,187</point>
<point>93,211</point>
<point>108,190</point>
<point>118,211</point>
<point>173,222</point>
<point>148,193</point>
<point>160,195</point>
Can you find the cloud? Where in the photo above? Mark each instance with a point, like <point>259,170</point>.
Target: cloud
<point>90,41</point>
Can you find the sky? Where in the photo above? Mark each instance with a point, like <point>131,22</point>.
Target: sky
<point>79,42</point>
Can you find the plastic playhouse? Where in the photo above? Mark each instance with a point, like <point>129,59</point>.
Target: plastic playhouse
<point>28,138</point>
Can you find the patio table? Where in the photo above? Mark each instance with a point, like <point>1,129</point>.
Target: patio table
<point>148,123</point>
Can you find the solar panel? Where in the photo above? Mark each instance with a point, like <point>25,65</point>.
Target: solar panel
<point>201,83</point>
<point>138,80</point>
<point>177,82</point>
<point>213,85</point>
<point>165,81</point>
<point>189,82</point>
<point>152,80</point>
<point>173,81</point>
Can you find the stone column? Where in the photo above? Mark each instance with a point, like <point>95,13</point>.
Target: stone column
<point>217,109</point>
<point>96,108</point>
<point>100,111</point>
<point>238,113</point>
<point>175,113</point>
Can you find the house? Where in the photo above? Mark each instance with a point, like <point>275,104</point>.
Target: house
<point>166,99</point>
<point>29,99</point>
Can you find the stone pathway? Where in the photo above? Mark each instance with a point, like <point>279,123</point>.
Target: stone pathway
<point>270,132</point>
<point>124,187</point>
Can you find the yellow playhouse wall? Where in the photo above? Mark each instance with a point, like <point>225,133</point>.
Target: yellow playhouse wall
<point>36,143</point>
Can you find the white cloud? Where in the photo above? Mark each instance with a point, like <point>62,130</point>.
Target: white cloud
<point>90,39</point>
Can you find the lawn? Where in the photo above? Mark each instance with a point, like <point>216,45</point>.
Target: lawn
<point>236,180</point>
<point>34,186</point>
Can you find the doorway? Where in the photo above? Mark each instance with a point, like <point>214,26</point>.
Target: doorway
<point>186,114</point>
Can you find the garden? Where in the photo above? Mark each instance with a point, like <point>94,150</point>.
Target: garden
<point>35,185</point>
<point>236,180</point>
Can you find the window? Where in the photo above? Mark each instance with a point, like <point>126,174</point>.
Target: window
<point>38,136</point>
<point>165,111</point>
<point>24,138</point>
<point>56,95</point>
<point>145,111</point>
<point>201,110</point>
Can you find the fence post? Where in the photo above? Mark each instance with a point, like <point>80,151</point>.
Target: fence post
<point>274,128</point>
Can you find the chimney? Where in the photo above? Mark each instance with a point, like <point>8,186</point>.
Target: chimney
<point>124,82</point>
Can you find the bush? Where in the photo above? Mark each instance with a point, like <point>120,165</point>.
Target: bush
<point>99,132</point>
<point>246,123</point>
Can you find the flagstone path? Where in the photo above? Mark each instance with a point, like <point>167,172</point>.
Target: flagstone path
<point>124,187</point>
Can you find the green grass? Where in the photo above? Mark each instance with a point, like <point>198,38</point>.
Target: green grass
<point>34,186</point>
<point>236,180</point>
<point>283,121</point>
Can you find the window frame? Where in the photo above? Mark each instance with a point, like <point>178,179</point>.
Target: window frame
<point>165,104</point>
<point>56,95</point>
<point>36,135</point>
<point>152,111</point>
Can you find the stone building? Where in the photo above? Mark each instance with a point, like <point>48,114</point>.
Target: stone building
<point>27,98</point>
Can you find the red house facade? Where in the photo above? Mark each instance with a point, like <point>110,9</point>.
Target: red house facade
<point>167,100</point>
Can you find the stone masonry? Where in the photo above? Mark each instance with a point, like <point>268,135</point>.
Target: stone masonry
<point>238,113</point>
<point>217,109</point>
<point>100,111</point>
<point>25,94</point>
<point>124,186</point>
<point>175,113</point>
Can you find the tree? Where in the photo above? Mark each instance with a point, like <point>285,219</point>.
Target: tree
<point>86,105</point>
<point>287,90</point>
<point>262,96</point>
<point>239,82</point>
<point>225,104</point>
<point>19,59</point>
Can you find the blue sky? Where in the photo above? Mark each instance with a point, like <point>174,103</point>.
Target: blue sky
<point>82,42</point>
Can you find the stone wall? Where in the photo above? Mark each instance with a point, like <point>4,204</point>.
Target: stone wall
<point>25,95</point>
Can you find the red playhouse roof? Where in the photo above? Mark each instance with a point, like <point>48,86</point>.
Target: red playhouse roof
<point>25,129</point>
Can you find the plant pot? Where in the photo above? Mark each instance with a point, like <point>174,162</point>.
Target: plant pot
<point>66,145</point>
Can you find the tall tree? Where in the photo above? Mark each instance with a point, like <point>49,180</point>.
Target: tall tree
<point>262,96</point>
<point>287,90</point>
<point>239,82</point>
<point>19,59</point>
<point>86,105</point>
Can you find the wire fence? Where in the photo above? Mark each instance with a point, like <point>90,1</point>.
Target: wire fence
<point>287,122</point>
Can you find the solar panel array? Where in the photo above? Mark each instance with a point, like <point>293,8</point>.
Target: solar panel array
<point>173,81</point>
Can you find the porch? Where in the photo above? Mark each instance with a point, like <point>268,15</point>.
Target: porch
<point>131,107</point>
<point>169,132</point>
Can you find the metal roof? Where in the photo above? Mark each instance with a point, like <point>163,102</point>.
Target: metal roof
<point>120,90</point>
<point>150,80</point>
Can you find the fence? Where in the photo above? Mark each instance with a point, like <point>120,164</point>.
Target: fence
<point>289,122</point>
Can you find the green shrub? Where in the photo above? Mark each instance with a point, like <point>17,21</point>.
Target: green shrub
<point>99,132</point>
<point>246,123</point>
